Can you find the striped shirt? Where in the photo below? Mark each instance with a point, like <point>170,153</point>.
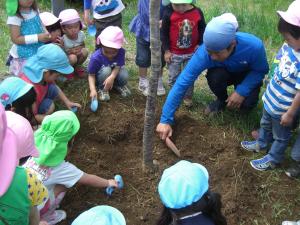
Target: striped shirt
<point>285,83</point>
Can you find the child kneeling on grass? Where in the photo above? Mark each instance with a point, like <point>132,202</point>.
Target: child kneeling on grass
<point>184,192</point>
<point>282,96</point>
<point>41,70</point>
<point>53,140</point>
<point>107,65</point>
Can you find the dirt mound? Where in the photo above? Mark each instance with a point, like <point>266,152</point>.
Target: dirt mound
<point>110,142</point>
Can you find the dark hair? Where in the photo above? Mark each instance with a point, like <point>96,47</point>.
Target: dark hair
<point>285,27</point>
<point>34,6</point>
<point>54,27</point>
<point>23,106</point>
<point>210,205</point>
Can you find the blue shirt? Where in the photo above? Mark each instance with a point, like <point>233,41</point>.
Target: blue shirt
<point>249,55</point>
<point>285,83</point>
<point>140,23</point>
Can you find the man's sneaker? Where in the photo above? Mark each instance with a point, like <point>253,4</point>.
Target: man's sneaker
<point>294,170</point>
<point>251,146</point>
<point>215,107</point>
<point>124,91</point>
<point>291,222</point>
<point>161,90</point>
<point>55,217</point>
<point>103,95</point>
<point>263,164</point>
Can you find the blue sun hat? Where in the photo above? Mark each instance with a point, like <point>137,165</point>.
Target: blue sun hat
<point>104,215</point>
<point>48,57</point>
<point>220,32</point>
<point>13,88</point>
<point>183,184</point>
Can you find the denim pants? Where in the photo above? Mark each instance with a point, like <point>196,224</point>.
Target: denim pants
<point>219,79</point>
<point>272,132</point>
<point>104,72</point>
<point>49,98</point>
<point>178,62</point>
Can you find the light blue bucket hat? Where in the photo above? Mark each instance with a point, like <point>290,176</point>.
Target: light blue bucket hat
<point>183,184</point>
<point>13,88</point>
<point>220,32</point>
<point>104,215</point>
<point>48,57</point>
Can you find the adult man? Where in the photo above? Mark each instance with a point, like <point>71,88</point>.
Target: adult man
<point>231,58</point>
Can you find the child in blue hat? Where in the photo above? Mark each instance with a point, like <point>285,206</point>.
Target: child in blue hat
<point>184,192</point>
<point>41,70</point>
<point>104,215</point>
<point>18,96</point>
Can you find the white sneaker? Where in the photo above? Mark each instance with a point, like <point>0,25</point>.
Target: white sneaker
<point>55,217</point>
<point>103,95</point>
<point>143,85</point>
<point>291,222</point>
<point>124,91</point>
<point>160,88</point>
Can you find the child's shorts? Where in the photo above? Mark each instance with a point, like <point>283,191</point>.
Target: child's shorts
<point>143,54</point>
<point>49,98</point>
<point>65,174</point>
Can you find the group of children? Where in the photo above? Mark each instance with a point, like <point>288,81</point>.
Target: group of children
<point>33,170</point>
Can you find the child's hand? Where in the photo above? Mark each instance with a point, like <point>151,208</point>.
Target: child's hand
<point>93,94</point>
<point>112,183</point>
<point>70,104</point>
<point>44,37</point>
<point>168,56</point>
<point>286,119</point>
<point>108,83</point>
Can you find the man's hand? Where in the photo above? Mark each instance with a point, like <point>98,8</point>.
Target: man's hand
<point>168,56</point>
<point>286,119</point>
<point>164,130</point>
<point>235,100</point>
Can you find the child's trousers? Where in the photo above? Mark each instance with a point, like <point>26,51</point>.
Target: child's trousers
<point>272,131</point>
<point>105,72</point>
<point>178,62</point>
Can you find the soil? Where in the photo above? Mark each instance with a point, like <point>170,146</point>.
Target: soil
<point>110,142</point>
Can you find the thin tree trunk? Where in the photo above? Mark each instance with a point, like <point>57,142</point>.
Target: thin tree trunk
<point>155,47</point>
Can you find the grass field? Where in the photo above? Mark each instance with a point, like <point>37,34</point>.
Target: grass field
<point>254,16</point>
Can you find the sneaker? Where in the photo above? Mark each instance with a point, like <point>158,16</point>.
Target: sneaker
<point>124,91</point>
<point>188,102</point>
<point>294,170</point>
<point>251,146</point>
<point>161,90</point>
<point>291,222</point>
<point>55,217</point>
<point>215,107</point>
<point>80,72</point>
<point>143,85</point>
<point>263,164</point>
<point>103,95</point>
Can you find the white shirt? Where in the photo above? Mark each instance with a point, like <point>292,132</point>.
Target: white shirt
<point>106,8</point>
<point>68,43</point>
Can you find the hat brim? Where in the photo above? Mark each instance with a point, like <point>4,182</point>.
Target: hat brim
<point>181,1</point>
<point>287,17</point>
<point>65,70</point>
<point>110,44</point>
<point>8,160</point>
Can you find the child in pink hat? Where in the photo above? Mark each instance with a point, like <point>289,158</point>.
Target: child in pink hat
<point>52,24</point>
<point>107,65</point>
<point>20,190</point>
<point>73,39</point>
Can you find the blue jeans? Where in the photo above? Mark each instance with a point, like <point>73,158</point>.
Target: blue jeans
<point>178,62</point>
<point>49,98</point>
<point>104,72</point>
<point>272,132</point>
<point>295,153</point>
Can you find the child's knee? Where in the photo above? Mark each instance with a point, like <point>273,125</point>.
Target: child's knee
<point>72,59</point>
<point>84,53</point>
<point>50,109</point>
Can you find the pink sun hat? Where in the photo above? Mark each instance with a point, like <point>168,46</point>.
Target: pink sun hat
<point>48,18</point>
<point>8,153</point>
<point>112,37</point>
<point>292,15</point>
<point>24,133</point>
<point>69,16</point>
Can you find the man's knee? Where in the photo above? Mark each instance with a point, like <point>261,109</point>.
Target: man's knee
<point>216,76</point>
